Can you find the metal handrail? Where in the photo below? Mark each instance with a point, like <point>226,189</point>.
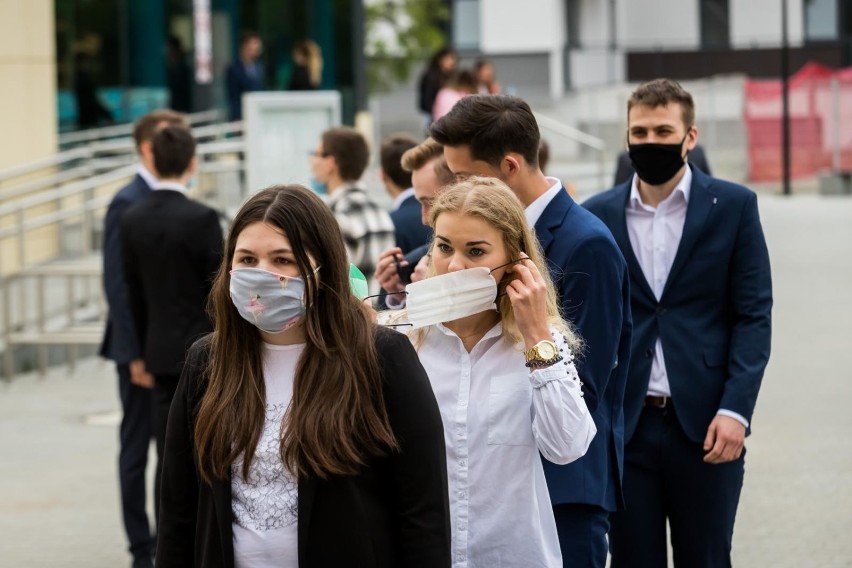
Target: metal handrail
<point>68,203</point>
<point>571,132</point>
<point>126,129</point>
<point>44,183</point>
<point>42,163</point>
<point>66,190</point>
<point>577,135</point>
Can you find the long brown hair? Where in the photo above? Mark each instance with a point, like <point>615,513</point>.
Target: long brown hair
<point>337,417</point>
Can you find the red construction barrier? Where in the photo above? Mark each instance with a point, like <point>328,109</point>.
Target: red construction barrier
<point>820,104</point>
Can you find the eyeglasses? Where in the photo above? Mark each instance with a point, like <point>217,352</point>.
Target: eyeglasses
<point>315,154</point>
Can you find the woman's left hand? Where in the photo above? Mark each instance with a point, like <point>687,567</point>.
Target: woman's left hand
<point>528,294</point>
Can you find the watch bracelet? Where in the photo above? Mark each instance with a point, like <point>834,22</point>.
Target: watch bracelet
<point>539,363</point>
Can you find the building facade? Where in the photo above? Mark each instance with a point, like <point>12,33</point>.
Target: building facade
<point>580,43</point>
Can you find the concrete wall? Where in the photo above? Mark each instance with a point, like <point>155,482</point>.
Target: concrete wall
<point>658,23</point>
<point>28,77</point>
<point>538,28</point>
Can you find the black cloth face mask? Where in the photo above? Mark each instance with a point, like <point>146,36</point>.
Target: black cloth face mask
<point>656,163</point>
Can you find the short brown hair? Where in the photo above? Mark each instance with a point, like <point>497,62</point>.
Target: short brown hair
<point>173,148</point>
<point>422,154</point>
<point>390,158</point>
<point>543,154</point>
<point>349,149</point>
<point>491,126</point>
<point>146,126</point>
<point>662,92</point>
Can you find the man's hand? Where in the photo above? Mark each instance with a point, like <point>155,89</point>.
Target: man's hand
<point>386,274</point>
<point>139,376</point>
<point>724,441</point>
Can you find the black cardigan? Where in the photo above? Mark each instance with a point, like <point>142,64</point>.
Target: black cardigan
<point>393,513</point>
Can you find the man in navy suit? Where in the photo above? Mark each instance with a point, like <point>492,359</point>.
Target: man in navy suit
<point>121,344</point>
<point>244,75</point>
<point>497,136</point>
<point>405,213</point>
<point>172,247</point>
<point>701,294</point>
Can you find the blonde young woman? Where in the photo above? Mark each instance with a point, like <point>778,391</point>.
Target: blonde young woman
<point>501,363</point>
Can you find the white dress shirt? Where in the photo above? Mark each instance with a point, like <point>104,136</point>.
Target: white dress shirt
<point>655,235</point>
<point>536,208</point>
<point>497,417</point>
<point>400,199</point>
<point>170,185</point>
<point>146,175</point>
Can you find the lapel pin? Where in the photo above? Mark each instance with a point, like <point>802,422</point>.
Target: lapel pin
<point>714,200</point>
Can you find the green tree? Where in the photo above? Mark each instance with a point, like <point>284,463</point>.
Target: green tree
<point>415,30</point>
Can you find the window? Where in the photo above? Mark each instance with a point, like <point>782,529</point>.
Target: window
<point>466,24</point>
<point>715,24</point>
<point>820,19</point>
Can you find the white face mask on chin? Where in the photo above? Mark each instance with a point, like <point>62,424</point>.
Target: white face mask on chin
<point>450,296</point>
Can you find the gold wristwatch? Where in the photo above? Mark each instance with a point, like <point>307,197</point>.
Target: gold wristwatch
<point>544,351</point>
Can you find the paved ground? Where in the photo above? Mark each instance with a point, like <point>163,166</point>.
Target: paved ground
<point>59,496</point>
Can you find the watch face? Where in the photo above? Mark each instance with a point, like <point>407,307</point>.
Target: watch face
<point>546,350</point>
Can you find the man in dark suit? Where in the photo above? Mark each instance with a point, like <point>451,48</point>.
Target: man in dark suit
<point>244,75</point>
<point>405,213</point>
<point>172,247</point>
<point>122,345</point>
<point>497,135</point>
<point>701,295</point>
<point>624,167</point>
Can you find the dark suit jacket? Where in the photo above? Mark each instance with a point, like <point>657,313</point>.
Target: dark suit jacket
<point>172,248</point>
<point>120,342</point>
<point>239,81</point>
<point>624,169</point>
<point>393,513</point>
<point>714,316</point>
<point>591,277</point>
<point>409,230</point>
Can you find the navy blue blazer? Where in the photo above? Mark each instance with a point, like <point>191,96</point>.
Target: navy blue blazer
<point>120,342</point>
<point>590,275</point>
<point>409,230</point>
<point>714,315</point>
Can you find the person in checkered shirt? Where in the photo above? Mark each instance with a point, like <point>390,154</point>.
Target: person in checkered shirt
<point>339,161</point>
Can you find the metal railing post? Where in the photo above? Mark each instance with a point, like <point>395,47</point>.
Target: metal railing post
<point>8,355</point>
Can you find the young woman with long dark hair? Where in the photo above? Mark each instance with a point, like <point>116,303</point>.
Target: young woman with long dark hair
<point>301,434</point>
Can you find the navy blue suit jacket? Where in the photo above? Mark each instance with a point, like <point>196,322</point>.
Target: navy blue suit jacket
<point>714,315</point>
<point>590,275</point>
<point>409,230</point>
<point>120,342</point>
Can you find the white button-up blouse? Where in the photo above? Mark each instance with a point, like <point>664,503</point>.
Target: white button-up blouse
<point>497,417</point>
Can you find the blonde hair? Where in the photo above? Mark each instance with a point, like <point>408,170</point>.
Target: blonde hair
<point>417,157</point>
<point>492,201</point>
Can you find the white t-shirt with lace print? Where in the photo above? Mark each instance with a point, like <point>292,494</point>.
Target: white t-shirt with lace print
<point>266,505</point>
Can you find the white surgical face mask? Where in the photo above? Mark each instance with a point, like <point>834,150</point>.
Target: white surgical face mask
<point>450,296</point>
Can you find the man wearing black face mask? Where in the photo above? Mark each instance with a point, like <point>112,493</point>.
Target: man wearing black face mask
<point>701,297</point>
